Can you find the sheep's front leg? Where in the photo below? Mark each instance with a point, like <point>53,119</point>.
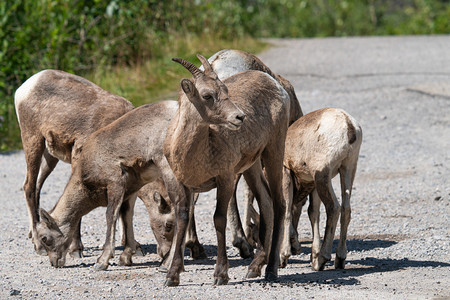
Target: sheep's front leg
<point>76,247</point>
<point>225,189</point>
<point>115,195</point>
<point>176,258</point>
<point>127,211</point>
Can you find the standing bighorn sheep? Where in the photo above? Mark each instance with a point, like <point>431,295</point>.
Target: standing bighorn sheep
<point>226,63</point>
<point>208,142</point>
<point>320,145</point>
<point>53,130</point>
<point>112,165</point>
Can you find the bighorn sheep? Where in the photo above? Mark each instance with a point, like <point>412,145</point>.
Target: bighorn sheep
<point>226,63</point>
<point>318,146</point>
<point>52,130</point>
<point>208,142</point>
<point>112,165</point>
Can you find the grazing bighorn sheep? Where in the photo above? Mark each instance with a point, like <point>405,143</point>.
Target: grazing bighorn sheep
<point>208,142</point>
<point>318,146</point>
<point>112,165</point>
<point>161,213</point>
<point>57,111</point>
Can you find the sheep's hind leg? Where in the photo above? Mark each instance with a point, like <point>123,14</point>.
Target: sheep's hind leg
<point>347,176</point>
<point>258,184</point>
<point>192,242</point>
<point>239,240</point>
<point>325,190</point>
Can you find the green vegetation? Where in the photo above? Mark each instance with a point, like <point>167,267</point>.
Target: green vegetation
<point>126,46</point>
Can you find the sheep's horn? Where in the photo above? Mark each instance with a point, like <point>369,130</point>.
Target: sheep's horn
<point>206,64</point>
<point>196,72</point>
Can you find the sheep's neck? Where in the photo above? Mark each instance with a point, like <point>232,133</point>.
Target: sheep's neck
<point>191,146</point>
<point>70,208</point>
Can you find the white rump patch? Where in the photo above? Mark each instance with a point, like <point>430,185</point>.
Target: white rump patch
<point>25,90</point>
<point>227,63</point>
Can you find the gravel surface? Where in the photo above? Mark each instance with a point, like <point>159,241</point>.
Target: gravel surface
<point>398,88</point>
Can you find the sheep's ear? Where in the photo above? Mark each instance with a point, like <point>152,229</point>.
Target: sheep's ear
<point>188,87</point>
<point>157,198</point>
<point>163,207</point>
<point>48,220</point>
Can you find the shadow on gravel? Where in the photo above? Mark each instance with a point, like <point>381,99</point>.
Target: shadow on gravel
<point>353,245</point>
<point>355,268</point>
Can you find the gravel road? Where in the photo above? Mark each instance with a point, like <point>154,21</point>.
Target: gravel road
<point>398,88</point>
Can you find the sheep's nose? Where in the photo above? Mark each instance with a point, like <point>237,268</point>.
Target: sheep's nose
<point>241,117</point>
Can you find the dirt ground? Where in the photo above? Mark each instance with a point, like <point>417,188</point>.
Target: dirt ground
<point>398,88</point>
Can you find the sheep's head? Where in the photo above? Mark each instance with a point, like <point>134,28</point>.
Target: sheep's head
<point>52,239</point>
<point>210,96</point>
<point>162,221</point>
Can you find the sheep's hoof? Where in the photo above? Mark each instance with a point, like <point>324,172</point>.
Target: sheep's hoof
<point>76,254</point>
<point>139,251</point>
<point>296,248</point>
<point>271,276</point>
<point>125,261</point>
<point>246,252</point>
<point>339,263</point>
<point>170,282</point>
<point>197,250</point>
<point>220,281</point>
<point>319,264</point>
<point>100,267</point>
<point>283,262</point>
<point>163,269</point>
<point>252,274</point>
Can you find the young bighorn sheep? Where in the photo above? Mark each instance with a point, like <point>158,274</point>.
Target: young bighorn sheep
<point>320,145</point>
<point>208,142</point>
<point>112,165</point>
<point>57,111</point>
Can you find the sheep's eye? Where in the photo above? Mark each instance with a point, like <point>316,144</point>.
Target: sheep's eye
<point>207,97</point>
<point>44,239</point>
<point>169,226</point>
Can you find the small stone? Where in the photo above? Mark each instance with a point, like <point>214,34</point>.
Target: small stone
<point>437,198</point>
<point>14,292</point>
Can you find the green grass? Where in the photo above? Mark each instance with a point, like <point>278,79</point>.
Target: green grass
<point>158,79</point>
